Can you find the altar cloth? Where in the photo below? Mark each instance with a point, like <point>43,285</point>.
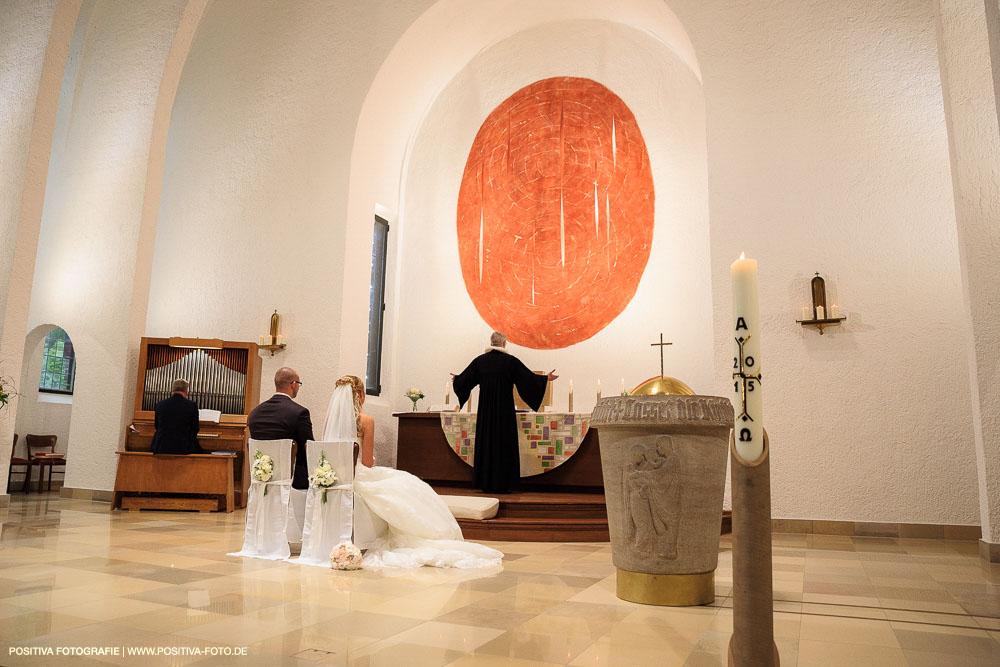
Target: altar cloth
<point>545,439</point>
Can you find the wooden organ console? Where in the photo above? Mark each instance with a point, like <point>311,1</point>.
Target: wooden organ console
<point>223,376</point>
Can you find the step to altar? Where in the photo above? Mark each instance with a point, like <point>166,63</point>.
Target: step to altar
<point>536,516</point>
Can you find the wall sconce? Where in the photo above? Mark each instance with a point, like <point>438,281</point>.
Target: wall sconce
<point>273,341</point>
<point>819,316</point>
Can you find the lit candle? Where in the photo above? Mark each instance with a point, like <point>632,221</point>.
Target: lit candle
<point>571,395</point>
<point>834,311</point>
<point>820,315</point>
<point>749,427</point>
<point>805,313</point>
<point>447,394</point>
<point>598,388</point>
<point>623,388</point>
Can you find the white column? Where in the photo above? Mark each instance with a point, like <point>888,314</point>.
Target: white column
<point>34,41</point>
<point>969,51</point>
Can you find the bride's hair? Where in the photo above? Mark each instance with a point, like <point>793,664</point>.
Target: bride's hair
<point>357,391</point>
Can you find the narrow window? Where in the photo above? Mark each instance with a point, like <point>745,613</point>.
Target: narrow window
<point>376,307</point>
<point>58,364</point>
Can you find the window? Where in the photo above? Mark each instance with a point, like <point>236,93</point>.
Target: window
<point>376,308</point>
<point>58,363</point>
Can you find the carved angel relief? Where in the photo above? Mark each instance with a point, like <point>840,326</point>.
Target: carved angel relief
<point>651,487</point>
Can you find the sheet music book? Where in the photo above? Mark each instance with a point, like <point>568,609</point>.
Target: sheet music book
<point>209,415</point>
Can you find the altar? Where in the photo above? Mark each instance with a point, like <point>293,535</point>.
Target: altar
<point>558,451</point>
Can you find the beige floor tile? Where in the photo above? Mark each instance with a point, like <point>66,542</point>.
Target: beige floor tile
<point>608,650</point>
<point>37,623</point>
<point>838,654</point>
<point>535,647</point>
<point>448,636</point>
<point>957,620</point>
<point>111,608</point>
<point>848,630</point>
<point>55,599</point>
<point>988,623</point>
<point>842,610</point>
<point>483,660</point>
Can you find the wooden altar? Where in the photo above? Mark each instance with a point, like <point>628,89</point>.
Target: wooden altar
<point>565,504</point>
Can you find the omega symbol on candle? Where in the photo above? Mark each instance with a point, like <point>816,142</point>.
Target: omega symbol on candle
<point>744,377</point>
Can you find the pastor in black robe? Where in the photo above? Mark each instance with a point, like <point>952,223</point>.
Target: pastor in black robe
<point>497,464</point>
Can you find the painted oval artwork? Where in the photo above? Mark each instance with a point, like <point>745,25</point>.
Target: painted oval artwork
<point>555,213</point>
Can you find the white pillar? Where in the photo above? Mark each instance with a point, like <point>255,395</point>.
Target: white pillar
<point>34,41</point>
<point>969,51</point>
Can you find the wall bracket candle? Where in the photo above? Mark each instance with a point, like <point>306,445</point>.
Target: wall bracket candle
<point>820,315</point>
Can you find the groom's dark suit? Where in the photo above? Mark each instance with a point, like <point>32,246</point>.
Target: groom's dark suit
<point>279,418</point>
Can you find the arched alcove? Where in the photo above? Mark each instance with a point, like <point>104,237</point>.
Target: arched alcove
<point>45,401</point>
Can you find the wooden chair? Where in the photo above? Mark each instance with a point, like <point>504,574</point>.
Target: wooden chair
<point>37,443</point>
<point>18,461</point>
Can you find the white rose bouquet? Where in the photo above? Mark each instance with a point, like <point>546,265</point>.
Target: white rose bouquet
<point>345,556</point>
<point>324,476</point>
<point>263,468</point>
<point>414,395</point>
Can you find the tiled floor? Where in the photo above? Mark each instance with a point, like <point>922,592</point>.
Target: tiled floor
<point>75,576</point>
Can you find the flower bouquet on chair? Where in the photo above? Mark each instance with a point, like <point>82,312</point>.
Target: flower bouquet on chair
<point>263,468</point>
<point>324,476</point>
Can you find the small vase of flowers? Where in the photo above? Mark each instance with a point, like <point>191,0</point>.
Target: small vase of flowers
<point>414,395</point>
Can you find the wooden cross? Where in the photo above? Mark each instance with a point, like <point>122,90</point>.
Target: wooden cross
<point>661,345</point>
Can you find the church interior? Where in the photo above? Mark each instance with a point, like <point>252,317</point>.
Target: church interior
<point>373,188</point>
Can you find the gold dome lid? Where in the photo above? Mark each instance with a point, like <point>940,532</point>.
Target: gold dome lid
<point>661,384</point>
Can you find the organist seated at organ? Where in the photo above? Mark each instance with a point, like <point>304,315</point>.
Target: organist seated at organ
<point>176,423</point>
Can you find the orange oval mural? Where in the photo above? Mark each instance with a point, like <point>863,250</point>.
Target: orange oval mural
<point>555,213</point>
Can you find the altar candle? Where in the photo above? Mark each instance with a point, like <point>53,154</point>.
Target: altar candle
<point>447,394</point>
<point>598,388</point>
<point>834,311</point>
<point>748,429</point>
<point>570,395</point>
<point>820,315</point>
<point>805,313</point>
<point>622,393</point>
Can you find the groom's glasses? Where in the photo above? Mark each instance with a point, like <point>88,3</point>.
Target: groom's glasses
<point>298,383</point>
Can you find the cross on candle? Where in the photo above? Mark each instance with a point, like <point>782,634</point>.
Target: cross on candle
<point>661,345</point>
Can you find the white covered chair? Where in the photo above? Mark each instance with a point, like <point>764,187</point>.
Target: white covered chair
<point>267,513</point>
<point>328,524</point>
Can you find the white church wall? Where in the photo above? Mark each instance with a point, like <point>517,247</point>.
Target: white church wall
<point>89,274</point>
<point>433,312</point>
<point>254,196</point>
<point>828,152</point>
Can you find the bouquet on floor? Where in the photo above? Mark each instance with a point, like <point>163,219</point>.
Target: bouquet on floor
<point>414,395</point>
<point>324,476</point>
<point>263,468</point>
<point>345,556</point>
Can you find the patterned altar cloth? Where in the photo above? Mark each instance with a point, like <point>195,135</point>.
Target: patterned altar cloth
<point>546,439</point>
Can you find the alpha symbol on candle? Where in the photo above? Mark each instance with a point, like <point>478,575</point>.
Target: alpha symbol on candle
<point>741,324</point>
<point>744,382</point>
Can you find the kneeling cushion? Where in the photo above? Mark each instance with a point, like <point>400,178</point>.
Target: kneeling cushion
<point>472,507</point>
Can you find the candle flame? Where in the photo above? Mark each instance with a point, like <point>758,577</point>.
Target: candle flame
<point>743,255</point>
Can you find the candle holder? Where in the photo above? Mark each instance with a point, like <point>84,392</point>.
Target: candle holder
<point>273,341</point>
<point>818,286</point>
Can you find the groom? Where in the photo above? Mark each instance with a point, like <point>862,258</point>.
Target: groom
<point>280,417</point>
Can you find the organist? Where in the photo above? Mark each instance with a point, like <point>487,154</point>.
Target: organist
<point>176,421</point>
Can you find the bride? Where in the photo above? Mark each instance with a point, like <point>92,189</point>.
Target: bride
<point>421,528</point>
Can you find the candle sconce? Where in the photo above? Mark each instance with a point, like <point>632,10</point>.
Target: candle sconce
<point>819,316</point>
<point>273,341</point>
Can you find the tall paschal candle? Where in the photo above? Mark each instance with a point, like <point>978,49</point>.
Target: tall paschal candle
<point>748,431</point>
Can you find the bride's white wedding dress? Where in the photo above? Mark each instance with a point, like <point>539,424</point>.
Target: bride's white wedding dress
<point>422,530</point>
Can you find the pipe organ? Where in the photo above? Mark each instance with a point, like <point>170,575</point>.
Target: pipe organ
<point>222,375</point>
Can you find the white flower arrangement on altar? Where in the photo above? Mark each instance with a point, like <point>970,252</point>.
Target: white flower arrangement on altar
<point>324,476</point>
<point>414,395</point>
<point>263,468</point>
<point>345,556</point>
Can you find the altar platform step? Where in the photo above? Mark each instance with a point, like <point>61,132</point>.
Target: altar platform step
<point>535,516</point>
<point>538,517</point>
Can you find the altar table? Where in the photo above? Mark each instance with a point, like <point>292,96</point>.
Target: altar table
<point>423,449</point>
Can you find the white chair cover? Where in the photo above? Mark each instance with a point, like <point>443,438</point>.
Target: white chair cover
<point>267,515</point>
<point>296,515</point>
<point>329,523</point>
